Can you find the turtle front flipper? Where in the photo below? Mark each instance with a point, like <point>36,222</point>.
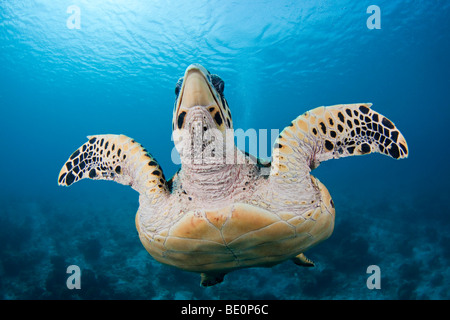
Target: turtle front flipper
<point>117,158</point>
<point>334,132</point>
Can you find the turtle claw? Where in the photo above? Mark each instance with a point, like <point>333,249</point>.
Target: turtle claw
<point>210,279</point>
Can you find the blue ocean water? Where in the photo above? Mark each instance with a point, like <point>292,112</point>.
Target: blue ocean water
<point>116,73</point>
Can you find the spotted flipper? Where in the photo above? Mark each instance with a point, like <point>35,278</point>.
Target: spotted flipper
<point>210,279</point>
<point>302,260</point>
<point>117,158</point>
<point>334,132</point>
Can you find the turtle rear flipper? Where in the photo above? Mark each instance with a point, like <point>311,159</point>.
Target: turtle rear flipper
<point>302,260</point>
<point>211,279</point>
<point>334,132</point>
<point>117,158</point>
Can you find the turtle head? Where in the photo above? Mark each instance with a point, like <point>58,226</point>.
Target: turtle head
<point>199,97</point>
<point>201,118</point>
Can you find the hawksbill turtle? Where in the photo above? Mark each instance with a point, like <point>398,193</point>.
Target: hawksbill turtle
<point>225,209</point>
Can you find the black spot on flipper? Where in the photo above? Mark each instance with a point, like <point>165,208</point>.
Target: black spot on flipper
<point>70,178</point>
<point>329,145</point>
<point>108,153</point>
<point>156,172</point>
<point>218,118</point>
<point>92,141</point>
<point>62,177</point>
<point>211,109</point>
<point>356,121</point>
<point>351,150</point>
<point>387,123</point>
<point>387,142</point>
<point>340,128</point>
<point>355,112</point>
<point>82,165</point>
<point>364,109</point>
<point>314,130</point>
<point>333,134</point>
<point>394,151</point>
<point>101,142</point>
<point>84,148</point>
<point>374,126</point>
<point>349,112</point>
<point>106,144</point>
<point>381,129</point>
<point>228,123</point>
<point>92,174</point>
<point>278,145</point>
<point>349,123</point>
<point>118,152</point>
<point>331,121</point>
<point>180,119</point>
<point>118,170</point>
<point>403,148</point>
<point>341,117</point>
<point>394,135</point>
<point>75,162</point>
<point>375,117</point>
<point>323,127</point>
<point>75,154</point>
<point>113,146</point>
<point>69,165</point>
<point>377,136</point>
<point>365,148</point>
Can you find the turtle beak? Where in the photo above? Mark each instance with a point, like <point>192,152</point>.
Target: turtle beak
<point>196,89</point>
<point>197,94</point>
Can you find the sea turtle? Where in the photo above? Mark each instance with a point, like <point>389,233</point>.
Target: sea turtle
<point>225,209</point>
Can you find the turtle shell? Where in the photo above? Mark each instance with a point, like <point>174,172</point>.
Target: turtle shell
<point>240,235</point>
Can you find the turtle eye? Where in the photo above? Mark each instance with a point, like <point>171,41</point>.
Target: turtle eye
<point>178,86</point>
<point>218,83</point>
